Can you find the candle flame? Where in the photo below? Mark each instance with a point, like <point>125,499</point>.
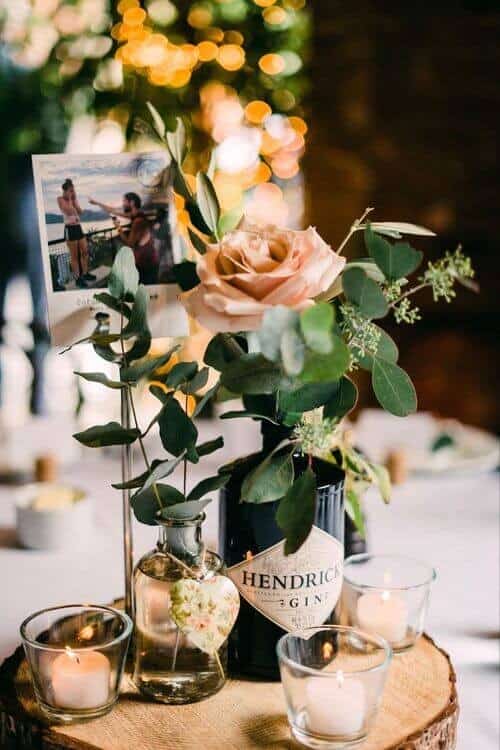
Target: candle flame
<point>86,633</point>
<point>248,556</point>
<point>72,655</point>
<point>327,650</point>
<point>340,678</point>
<point>386,595</point>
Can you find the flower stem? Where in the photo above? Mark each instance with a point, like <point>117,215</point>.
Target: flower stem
<point>354,228</point>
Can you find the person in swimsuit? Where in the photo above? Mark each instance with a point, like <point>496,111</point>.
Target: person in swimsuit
<point>139,237</point>
<point>73,234</point>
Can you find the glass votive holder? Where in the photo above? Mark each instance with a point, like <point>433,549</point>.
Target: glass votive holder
<point>387,595</point>
<point>76,654</point>
<point>333,678</point>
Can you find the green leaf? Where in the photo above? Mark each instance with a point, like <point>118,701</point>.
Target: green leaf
<point>161,470</point>
<point>198,381</point>
<point>185,511</point>
<point>208,485</point>
<point>106,299</point>
<point>198,242</point>
<point>400,227</point>
<point>204,449</point>
<point>134,483</point>
<point>260,404</point>
<point>186,275</point>
<point>342,401</point>
<point>270,480</point>
<point>138,322</point>
<point>196,217</point>
<point>145,502</point>
<point>181,373</point>
<point>386,349</point>
<point>383,481</point>
<point>354,511</point>
<point>177,431</point>
<point>443,440</point>
<point>111,433</point>
<point>295,514</point>
<point>307,397</point>
<point>395,261</point>
<point>161,395</point>
<point>230,220</point>
<point>369,266</point>
<point>222,350</point>
<point>327,367</point>
<point>246,414</point>
<point>176,142</point>
<point>364,293</point>
<point>158,123</point>
<point>316,324</point>
<point>393,388</point>
<point>208,202</point>
<point>205,399</point>
<point>275,322</point>
<point>99,377</point>
<point>123,280</point>
<point>251,373</point>
<point>147,367</point>
<point>292,352</point>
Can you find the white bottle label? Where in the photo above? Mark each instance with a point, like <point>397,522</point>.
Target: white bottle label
<point>295,591</point>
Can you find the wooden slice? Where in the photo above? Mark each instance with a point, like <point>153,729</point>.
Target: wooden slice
<point>419,712</point>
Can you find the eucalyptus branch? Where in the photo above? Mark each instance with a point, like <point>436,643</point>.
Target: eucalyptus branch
<point>354,228</point>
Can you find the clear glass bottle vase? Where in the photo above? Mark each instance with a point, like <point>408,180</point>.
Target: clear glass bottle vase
<point>168,666</point>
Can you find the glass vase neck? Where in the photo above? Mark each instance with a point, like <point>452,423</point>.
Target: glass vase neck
<point>182,538</point>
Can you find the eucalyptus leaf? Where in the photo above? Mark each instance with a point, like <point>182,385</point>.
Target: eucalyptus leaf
<point>327,367</point>
<point>198,242</point>
<point>186,275</point>
<point>162,470</point>
<point>316,324</point>
<point>123,280</point>
<point>181,373</point>
<point>208,485</point>
<point>364,293</point>
<point>292,352</point>
<point>393,388</point>
<point>251,373</point>
<point>205,399</point>
<point>134,483</point>
<point>271,479</point>
<point>158,123</point>
<point>147,367</point>
<point>140,348</point>
<point>111,433</point>
<point>248,414</point>
<point>204,449</point>
<point>295,514</point>
<point>230,220</point>
<point>208,202</point>
<point>177,431</point>
<point>145,503</point>
<point>221,350</point>
<point>99,377</point>
<point>307,397</point>
<point>176,142</point>
<point>369,266</point>
<point>185,511</point>
<point>275,322</point>
<point>342,401</point>
<point>106,299</point>
<point>386,349</point>
<point>354,511</point>
<point>199,380</point>
<point>395,261</point>
<point>138,321</point>
<point>401,227</point>
<point>383,481</point>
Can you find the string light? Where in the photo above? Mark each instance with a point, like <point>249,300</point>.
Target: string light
<point>272,64</point>
<point>257,111</point>
<point>231,56</point>
<point>207,51</point>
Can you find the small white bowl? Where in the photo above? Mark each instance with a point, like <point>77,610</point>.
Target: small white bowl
<point>52,528</point>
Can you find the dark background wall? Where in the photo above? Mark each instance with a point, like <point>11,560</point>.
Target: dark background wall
<point>405,106</point>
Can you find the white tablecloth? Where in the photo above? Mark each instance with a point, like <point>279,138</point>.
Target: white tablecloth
<point>450,522</point>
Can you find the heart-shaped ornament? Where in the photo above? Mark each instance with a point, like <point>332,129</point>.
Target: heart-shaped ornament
<point>205,610</point>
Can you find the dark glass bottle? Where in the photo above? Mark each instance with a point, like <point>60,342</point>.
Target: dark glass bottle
<point>290,592</point>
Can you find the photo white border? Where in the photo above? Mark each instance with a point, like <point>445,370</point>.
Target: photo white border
<point>72,313</point>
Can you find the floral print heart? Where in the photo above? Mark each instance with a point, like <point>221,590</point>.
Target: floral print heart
<point>205,610</point>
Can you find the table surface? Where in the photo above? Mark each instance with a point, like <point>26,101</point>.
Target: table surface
<point>452,522</point>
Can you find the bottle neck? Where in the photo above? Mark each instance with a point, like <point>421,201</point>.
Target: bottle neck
<point>183,539</point>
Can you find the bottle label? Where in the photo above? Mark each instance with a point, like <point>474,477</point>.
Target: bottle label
<point>295,591</point>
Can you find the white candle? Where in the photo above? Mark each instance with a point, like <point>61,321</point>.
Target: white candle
<point>385,614</point>
<point>335,707</point>
<point>80,680</point>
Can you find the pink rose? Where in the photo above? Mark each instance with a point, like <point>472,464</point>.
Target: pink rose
<point>254,268</point>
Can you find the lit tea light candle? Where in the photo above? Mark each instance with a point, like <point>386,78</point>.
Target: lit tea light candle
<point>383,613</point>
<point>335,707</point>
<point>80,680</point>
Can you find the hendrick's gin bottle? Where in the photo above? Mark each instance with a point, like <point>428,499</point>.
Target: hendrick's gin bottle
<point>279,593</point>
